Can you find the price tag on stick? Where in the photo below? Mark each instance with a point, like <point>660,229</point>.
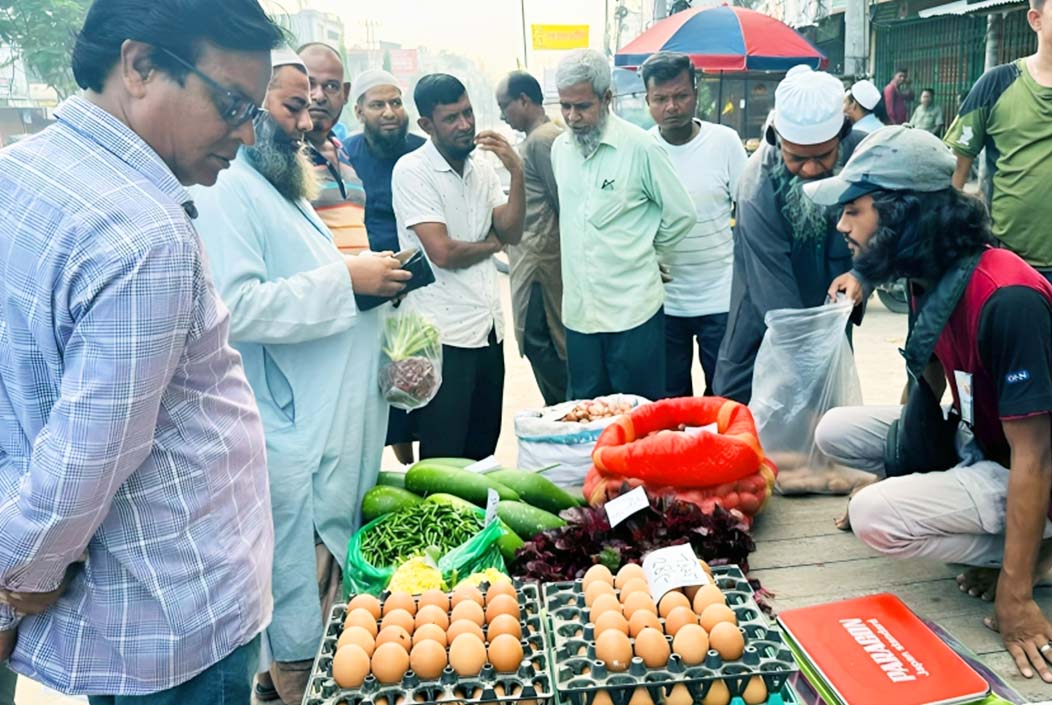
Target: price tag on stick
<point>620,508</point>
<point>673,567</point>
<point>491,506</point>
<point>484,465</point>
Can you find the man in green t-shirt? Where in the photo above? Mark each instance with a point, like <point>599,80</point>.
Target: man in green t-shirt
<point>1009,112</point>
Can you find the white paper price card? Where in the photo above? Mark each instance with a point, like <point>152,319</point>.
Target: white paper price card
<point>620,508</point>
<point>484,465</point>
<point>492,497</point>
<point>673,567</point>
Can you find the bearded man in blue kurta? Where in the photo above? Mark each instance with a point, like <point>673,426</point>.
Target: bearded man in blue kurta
<point>311,357</point>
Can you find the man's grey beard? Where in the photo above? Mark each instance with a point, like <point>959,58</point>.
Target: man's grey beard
<point>589,141</point>
<point>282,161</point>
<point>387,144</point>
<point>808,221</point>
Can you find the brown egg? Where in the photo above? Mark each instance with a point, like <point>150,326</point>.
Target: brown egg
<point>613,648</point>
<point>640,696</point>
<point>708,595</point>
<point>611,620</point>
<point>603,603</point>
<point>350,666</point>
<point>690,591</point>
<point>394,635</point>
<point>597,573</point>
<point>430,631</point>
<point>390,662</point>
<point>398,618</point>
<point>462,626</point>
<point>427,659</point>
<point>399,601</point>
<point>467,655</point>
<point>756,692</point>
<point>597,589</point>
<point>501,587</point>
<point>679,618</point>
<point>502,604</point>
<point>431,614</point>
<point>653,648</point>
<point>670,601</point>
<point>679,696</point>
<point>467,592</point>
<point>433,597</point>
<point>718,694</point>
<point>714,614</point>
<point>602,697</point>
<point>469,610</point>
<point>638,601</point>
<point>505,653</point>
<point>359,637</point>
<point>363,618</point>
<point>629,571</point>
<point>727,639</point>
<point>632,586</point>
<point>367,602</point>
<point>640,620</point>
<point>504,624</point>
<point>691,643</point>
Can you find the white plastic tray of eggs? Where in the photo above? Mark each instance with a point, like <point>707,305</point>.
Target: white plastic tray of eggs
<point>471,646</point>
<point>612,645</point>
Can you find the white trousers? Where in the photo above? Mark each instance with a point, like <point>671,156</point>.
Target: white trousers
<point>954,516</point>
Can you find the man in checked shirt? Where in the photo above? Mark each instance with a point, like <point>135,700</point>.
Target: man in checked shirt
<point>135,529</point>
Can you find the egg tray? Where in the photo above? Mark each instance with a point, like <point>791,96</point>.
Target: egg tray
<point>531,682</point>
<point>578,675</point>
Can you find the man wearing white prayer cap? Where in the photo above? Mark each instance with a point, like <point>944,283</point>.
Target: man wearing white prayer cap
<point>864,106</point>
<point>787,251</point>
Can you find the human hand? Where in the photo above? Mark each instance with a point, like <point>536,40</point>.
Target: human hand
<point>7,643</point>
<point>666,273</point>
<point>1026,633</point>
<point>494,241</point>
<point>848,285</point>
<point>37,602</point>
<point>490,141</point>
<point>377,274</point>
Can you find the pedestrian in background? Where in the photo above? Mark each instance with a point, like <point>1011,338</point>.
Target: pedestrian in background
<point>927,115</point>
<point>896,94</point>
<point>864,107</point>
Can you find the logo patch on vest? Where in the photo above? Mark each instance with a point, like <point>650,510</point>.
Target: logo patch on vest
<point>1016,377</point>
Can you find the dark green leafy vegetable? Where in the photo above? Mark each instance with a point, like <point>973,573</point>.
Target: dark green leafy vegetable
<point>410,532</point>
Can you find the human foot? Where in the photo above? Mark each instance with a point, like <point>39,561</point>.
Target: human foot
<point>843,522</point>
<point>982,582</point>
<point>836,480</point>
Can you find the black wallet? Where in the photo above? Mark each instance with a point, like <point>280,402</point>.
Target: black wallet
<point>414,262</point>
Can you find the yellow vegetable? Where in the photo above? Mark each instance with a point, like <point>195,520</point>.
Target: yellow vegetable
<point>415,576</point>
<point>490,575</point>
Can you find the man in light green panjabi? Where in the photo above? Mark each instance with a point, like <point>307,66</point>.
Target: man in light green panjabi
<point>621,207</point>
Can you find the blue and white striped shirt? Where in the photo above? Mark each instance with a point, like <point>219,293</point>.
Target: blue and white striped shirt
<point>127,428</point>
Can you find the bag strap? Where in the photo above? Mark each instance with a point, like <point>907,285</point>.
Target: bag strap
<point>935,309</point>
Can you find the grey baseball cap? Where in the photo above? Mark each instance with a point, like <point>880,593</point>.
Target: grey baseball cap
<point>893,158</point>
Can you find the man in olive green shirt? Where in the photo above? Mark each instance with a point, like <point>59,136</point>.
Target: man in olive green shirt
<point>1007,112</point>
<point>621,207</point>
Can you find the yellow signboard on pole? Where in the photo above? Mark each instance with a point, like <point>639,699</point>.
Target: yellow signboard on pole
<point>559,36</point>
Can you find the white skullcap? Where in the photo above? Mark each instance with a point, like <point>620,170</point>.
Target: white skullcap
<point>370,79</point>
<point>865,93</point>
<point>808,106</point>
<point>284,56</point>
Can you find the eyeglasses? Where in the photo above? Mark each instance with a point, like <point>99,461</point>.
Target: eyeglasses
<point>329,88</point>
<point>233,106</point>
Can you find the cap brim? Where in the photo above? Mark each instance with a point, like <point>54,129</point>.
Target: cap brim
<point>835,191</point>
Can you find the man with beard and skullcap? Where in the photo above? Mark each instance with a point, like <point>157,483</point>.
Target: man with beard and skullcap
<point>622,208</point>
<point>384,139</point>
<point>787,251</point>
<point>310,356</point>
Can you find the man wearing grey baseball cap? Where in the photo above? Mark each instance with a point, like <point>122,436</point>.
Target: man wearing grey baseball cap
<point>973,488</point>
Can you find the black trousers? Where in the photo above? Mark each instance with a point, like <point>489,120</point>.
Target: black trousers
<point>680,333</point>
<point>463,420</point>
<point>548,368</point>
<point>628,362</point>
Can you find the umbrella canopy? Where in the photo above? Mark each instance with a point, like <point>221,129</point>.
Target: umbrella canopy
<point>724,39</point>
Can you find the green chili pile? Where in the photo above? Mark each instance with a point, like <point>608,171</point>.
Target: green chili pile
<point>409,532</point>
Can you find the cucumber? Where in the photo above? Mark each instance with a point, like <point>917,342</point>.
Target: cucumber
<point>382,500</point>
<point>450,462</point>
<point>536,490</point>
<point>391,479</point>
<point>527,521</point>
<point>509,542</point>
<point>426,478</point>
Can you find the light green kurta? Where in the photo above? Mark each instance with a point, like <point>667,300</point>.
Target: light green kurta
<point>619,210</point>
<point>312,360</point>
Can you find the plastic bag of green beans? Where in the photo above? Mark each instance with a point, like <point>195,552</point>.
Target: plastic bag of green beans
<point>456,540</point>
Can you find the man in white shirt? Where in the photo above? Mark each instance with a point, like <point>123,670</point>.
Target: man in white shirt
<point>708,158</point>
<point>451,204</point>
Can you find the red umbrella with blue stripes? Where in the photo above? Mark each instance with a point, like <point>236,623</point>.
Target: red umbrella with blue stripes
<point>724,39</point>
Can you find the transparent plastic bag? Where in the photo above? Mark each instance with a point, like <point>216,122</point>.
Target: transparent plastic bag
<point>411,360</point>
<point>804,368</point>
